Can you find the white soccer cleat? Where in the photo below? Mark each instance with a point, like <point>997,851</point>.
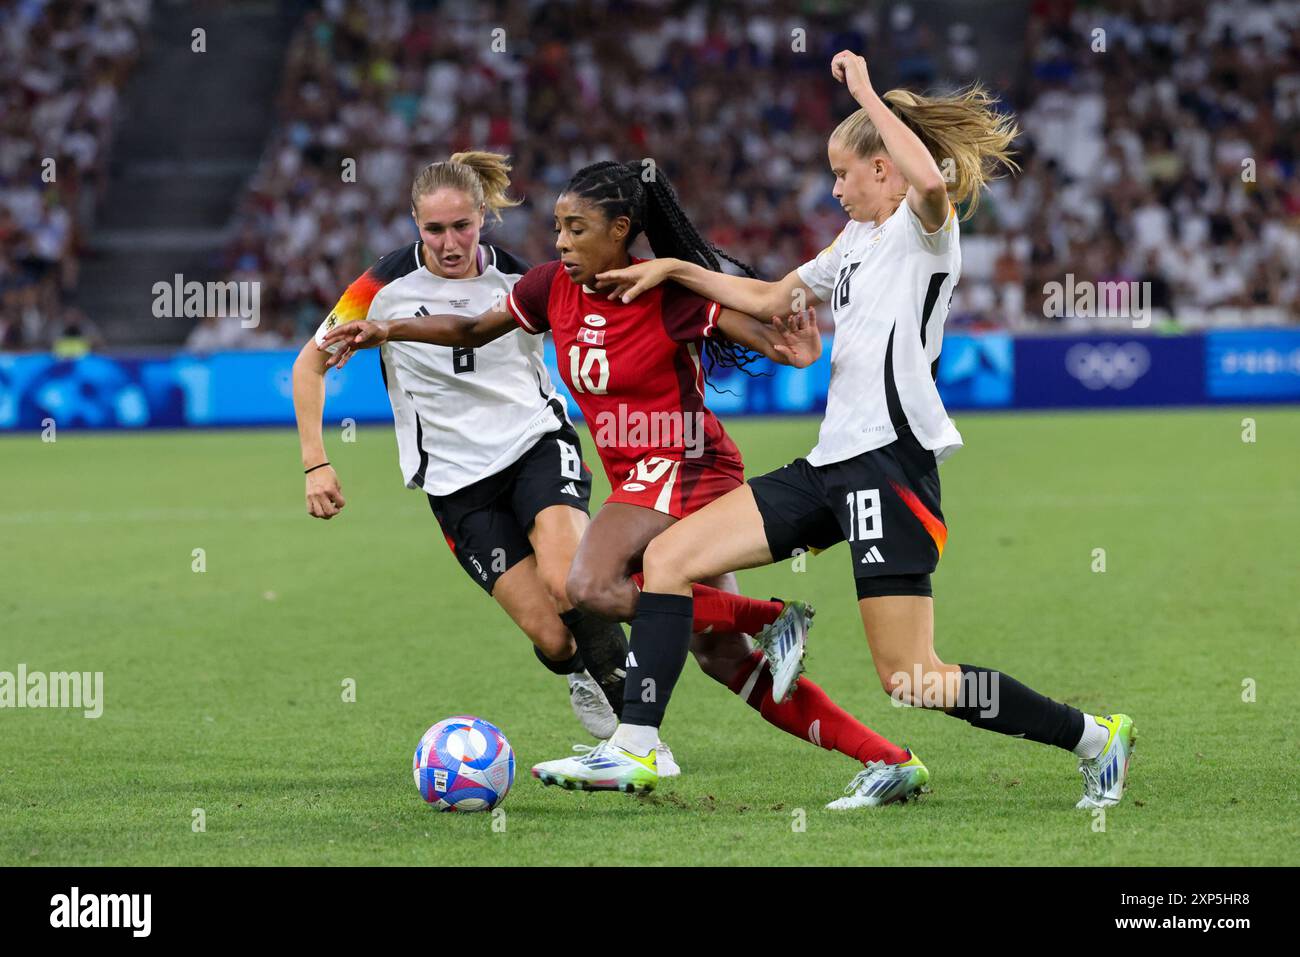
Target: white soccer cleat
<point>783,643</point>
<point>667,764</point>
<point>1105,775</point>
<point>591,706</point>
<point>606,767</point>
<point>879,783</point>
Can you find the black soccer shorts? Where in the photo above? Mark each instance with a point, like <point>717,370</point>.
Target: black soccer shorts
<point>486,524</point>
<point>884,503</point>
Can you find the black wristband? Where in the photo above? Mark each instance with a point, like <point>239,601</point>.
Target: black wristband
<point>314,468</point>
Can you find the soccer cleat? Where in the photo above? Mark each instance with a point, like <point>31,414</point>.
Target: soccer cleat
<point>666,764</point>
<point>879,783</point>
<point>1105,775</point>
<point>783,643</point>
<point>591,706</point>
<point>606,767</point>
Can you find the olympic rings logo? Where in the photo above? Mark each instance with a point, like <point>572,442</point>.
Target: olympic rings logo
<point>1109,365</point>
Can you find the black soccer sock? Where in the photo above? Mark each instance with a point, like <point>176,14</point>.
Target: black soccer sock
<point>995,701</point>
<point>603,647</point>
<point>569,666</point>
<point>661,639</point>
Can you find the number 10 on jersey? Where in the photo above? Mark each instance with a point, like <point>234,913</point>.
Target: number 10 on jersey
<point>581,367</point>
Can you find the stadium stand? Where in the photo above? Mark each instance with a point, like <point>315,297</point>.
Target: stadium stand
<point>62,70</point>
<point>1160,146</point>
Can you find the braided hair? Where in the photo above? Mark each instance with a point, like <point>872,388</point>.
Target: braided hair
<point>621,189</point>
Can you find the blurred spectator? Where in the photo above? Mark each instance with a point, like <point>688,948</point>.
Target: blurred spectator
<point>62,63</point>
<point>221,333</point>
<point>75,335</point>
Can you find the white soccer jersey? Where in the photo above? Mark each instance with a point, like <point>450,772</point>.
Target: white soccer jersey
<point>889,287</point>
<point>460,414</point>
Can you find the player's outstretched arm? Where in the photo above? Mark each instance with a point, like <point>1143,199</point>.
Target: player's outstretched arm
<point>324,496</point>
<point>789,341</point>
<point>753,297</point>
<point>442,330</point>
<point>927,193</point>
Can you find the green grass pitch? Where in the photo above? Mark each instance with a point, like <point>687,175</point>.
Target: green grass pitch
<point>223,689</point>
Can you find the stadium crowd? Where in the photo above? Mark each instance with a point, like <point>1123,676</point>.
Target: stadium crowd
<point>1134,153</point>
<point>1160,143</point>
<point>62,67</point>
<point>1161,147</point>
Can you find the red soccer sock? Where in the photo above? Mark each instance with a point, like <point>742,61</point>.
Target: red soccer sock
<point>724,612</point>
<point>721,611</point>
<point>811,714</point>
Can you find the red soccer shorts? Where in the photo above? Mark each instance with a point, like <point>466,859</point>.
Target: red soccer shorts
<point>675,485</point>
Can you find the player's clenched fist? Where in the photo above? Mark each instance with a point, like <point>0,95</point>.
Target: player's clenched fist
<point>324,496</point>
<point>851,70</point>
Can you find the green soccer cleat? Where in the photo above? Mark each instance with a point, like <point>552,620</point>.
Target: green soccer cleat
<point>879,784</point>
<point>783,643</point>
<point>1105,775</point>
<point>606,767</point>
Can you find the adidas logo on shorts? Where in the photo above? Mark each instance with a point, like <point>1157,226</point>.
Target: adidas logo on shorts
<point>872,556</point>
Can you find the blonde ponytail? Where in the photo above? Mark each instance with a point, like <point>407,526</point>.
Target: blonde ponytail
<point>484,176</point>
<point>967,137</point>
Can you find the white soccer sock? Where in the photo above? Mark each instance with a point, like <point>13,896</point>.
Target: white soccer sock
<point>638,738</point>
<point>1095,736</point>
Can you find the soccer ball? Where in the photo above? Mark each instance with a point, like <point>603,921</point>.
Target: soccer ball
<point>464,764</point>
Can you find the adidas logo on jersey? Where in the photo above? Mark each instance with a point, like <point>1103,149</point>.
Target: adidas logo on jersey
<point>872,556</point>
<point>571,489</point>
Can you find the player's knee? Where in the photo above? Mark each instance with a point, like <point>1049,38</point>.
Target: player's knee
<point>663,563</point>
<point>893,682</point>
<point>551,638</point>
<point>581,590</point>
<point>920,684</point>
<point>596,595</point>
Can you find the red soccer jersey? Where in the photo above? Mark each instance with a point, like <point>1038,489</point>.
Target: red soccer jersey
<point>635,371</point>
